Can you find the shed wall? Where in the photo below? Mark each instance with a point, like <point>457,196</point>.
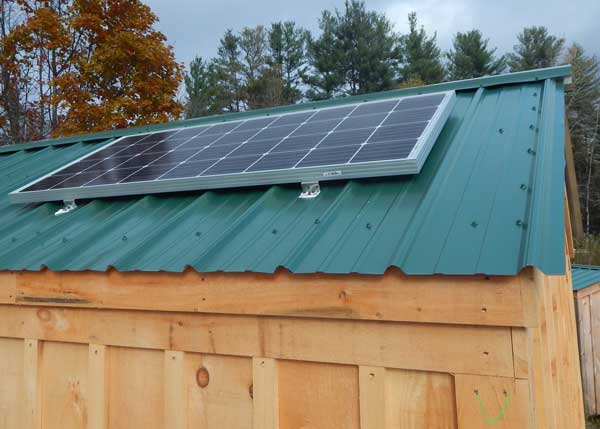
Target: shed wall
<point>587,303</point>
<point>118,350</point>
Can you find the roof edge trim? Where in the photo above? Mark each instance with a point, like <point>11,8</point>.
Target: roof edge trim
<point>461,85</point>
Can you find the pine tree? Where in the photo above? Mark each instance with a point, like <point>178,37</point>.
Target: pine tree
<point>421,55</point>
<point>287,49</point>
<point>536,49</point>
<point>370,49</point>
<point>204,92</point>
<point>261,88</point>
<point>229,69</point>
<point>325,75</point>
<point>471,57</point>
<point>357,52</point>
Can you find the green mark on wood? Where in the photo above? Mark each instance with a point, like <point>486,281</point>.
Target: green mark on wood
<point>501,414</point>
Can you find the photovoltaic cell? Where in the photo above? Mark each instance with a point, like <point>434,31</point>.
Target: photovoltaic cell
<point>298,143</point>
<point>278,161</point>
<point>332,139</point>
<point>231,165</point>
<point>383,151</point>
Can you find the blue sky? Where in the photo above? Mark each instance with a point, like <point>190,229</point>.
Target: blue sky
<point>194,26</point>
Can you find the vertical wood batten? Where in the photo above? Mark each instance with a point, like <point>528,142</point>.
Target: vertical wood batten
<point>372,397</point>
<point>175,414</point>
<point>97,384</point>
<point>32,404</point>
<point>265,391</point>
<point>586,354</point>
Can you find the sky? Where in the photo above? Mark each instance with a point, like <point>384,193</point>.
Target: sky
<point>194,27</point>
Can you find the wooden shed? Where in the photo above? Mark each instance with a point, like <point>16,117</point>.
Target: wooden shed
<point>586,288</point>
<point>437,300</point>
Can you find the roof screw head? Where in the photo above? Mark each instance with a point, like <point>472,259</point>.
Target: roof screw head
<point>533,108</point>
<point>474,224</point>
<point>274,231</point>
<point>65,239</point>
<point>523,186</point>
<point>519,222</point>
<point>317,221</point>
<point>198,233</point>
<point>501,130</point>
<point>531,151</point>
<point>535,94</point>
<point>531,127</point>
<point>369,226</point>
<point>124,238</point>
<point>13,239</point>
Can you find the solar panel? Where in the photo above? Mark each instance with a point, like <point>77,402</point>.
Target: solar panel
<point>376,138</point>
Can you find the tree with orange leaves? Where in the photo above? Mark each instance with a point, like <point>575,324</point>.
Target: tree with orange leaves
<point>123,74</point>
<point>76,66</point>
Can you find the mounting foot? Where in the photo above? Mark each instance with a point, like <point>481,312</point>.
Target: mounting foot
<point>310,190</point>
<point>69,206</point>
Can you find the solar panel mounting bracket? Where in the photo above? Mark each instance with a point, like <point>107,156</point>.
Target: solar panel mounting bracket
<point>310,190</point>
<point>69,206</point>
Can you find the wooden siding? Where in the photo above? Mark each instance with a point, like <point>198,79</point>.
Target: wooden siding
<point>587,303</point>
<point>111,350</point>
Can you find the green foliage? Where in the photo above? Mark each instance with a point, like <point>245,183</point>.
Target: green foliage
<point>357,52</point>
<point>204,91</point>
<point>421,55</point>
<point>325,77</point>
<point>253,47</point>
<point>369,49</point>
<point>592,422</point>
<point>253,69</point>
<point>228,68</point>
<point>287,60</point>
<point>536,49</point>
<point>471,57</point>
<point>587,251</point>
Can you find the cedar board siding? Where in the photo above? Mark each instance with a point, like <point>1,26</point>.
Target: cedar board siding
<point>163,350</point>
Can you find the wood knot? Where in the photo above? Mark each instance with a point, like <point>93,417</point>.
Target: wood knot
<point>202,377</point>
<point>44,314</point>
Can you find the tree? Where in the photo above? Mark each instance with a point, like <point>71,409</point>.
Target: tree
<point>325,75</point>
<point>471,57</point>
<point>583,107</point>
<point>261,87</point>
<point>370,49</point>
<point>35,48</point>
<point>48,43</point>
<point>204,92</point>
<point>12,110</point>
<point>123,75</point>
<point>421,55</point>
<point>229,70</point>
<point>536,49</point>
<point>357,52</point>
<point>287,60</point>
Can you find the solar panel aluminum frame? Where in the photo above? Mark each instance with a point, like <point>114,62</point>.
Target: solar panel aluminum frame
<point>409,165</point>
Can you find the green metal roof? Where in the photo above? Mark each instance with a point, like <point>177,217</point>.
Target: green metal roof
<point>488,200</point>
<point>584,275</point>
